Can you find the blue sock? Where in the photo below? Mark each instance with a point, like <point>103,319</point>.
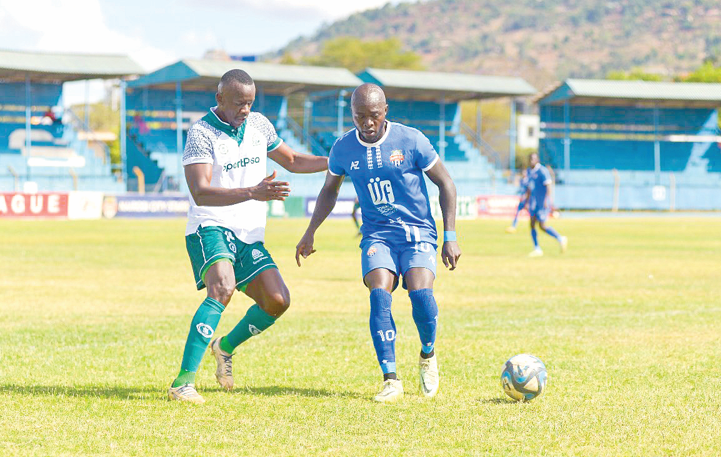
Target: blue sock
<point>425,315</point>
<point>553,233</point>
<point>202,327</point>
<point>518,211</point>
<point>534,235</point>
<point>383,330</point>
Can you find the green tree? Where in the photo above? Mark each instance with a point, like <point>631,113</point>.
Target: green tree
<point>635,74</point>
<point>356,55</point>
<point>706,73</point>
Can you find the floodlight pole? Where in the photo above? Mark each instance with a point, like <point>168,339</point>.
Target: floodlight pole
<point>28,129</point>
<point>179,129</point>
<point>123,135</point>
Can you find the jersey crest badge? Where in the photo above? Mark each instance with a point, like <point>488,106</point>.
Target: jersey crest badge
<point>396,157</point>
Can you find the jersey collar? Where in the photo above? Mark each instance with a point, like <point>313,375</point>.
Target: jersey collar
<point>538,165</point>
<point>235,133</point>
<point>377,143</point>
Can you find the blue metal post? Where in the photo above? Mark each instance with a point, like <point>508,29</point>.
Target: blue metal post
<point>179,129</point>
<point>28,114</point>
<point>512,137</point>
<point>567,137</point>
<point>341,105</point>
<point>307,107</point>
<point>123,133</point>
<point>442,130</point>
<point>656,147</point>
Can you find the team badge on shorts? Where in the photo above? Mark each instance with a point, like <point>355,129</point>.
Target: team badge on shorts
<point>371,251</point>
<point>396,157</point>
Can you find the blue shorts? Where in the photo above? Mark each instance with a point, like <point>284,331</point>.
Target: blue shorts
<point>398,258</point>
<point>541,214</point>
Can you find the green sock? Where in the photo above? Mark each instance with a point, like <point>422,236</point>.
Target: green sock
<point>202,328</point>
<point>185,377</point>
<point>255,321</point>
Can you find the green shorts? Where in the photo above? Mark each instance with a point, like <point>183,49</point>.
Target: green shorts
<point>209,245</point>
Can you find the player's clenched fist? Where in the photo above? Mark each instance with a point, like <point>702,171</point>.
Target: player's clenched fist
<point>304,247</point>
<point>268,189</point>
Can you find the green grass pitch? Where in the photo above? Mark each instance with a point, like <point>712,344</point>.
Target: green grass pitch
<point>94,315</point>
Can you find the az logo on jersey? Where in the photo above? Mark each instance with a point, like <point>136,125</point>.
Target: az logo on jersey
<point>397,157</point>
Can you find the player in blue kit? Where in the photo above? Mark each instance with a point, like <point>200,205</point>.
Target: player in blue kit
<point>523,192</point>
<point>386,161</point>
<point>539,204</point>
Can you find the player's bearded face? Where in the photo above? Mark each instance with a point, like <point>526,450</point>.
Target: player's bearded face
<point>234,103</point>
<point>370,120</point>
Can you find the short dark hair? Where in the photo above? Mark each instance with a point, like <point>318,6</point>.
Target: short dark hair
<point>238,76</point>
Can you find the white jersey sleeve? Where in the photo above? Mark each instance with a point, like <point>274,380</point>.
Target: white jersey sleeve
<point>198,146</point>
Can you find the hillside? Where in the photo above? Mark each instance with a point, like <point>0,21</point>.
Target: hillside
<point>542,41</point>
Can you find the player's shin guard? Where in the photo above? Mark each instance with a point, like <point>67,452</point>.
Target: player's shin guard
<point>534,235</point>
<point>425,315</point>
<point>255,321</point>
<point>202,327</point>
<point>551,231</point>
<point>383,330</point>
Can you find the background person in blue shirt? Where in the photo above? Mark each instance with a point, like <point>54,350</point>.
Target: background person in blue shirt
<point>386,161</point>
<point>539,204</point>
<point>523,192</point>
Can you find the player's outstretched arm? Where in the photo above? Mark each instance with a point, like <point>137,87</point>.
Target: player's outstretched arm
<point>199,176</point>
<point>323,206</point>
<point>295,162</point>
<point>451,252</point>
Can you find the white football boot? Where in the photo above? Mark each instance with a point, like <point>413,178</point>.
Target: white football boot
<point>564,244</point>
<point>429,376</point>
<point>186,393</point>
<point>392,391</point>
<point>536,253</point>
<point>224,370</point>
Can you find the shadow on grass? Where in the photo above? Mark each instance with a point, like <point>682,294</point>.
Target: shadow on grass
<point>160,393</point>
<point>116,392</point>
<point>276,391</point>
<point>498,401</point>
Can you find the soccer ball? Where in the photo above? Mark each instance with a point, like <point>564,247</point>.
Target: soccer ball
<point>523,377</point>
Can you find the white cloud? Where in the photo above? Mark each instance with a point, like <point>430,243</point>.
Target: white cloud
<point>78,26</point>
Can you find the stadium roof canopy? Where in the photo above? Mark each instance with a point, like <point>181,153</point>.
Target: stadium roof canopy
<point>425,85</point>
<point>203,75</point>
<point>15,66</point>
<point>632,93</point>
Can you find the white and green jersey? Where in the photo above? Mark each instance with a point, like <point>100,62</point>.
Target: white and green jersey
<point>238,157</point>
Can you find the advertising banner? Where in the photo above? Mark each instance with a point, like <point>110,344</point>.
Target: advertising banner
<point>45,204</point>
<point>466,208</point>
<point>343,207</point>
<point>85,205</point>
<point>499,206</point>
<point>145,206</point>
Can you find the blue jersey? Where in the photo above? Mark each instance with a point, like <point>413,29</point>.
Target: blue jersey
<point>538,180</point>
<point>388,179</point>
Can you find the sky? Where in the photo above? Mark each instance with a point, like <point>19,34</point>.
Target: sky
<point>159,32</point>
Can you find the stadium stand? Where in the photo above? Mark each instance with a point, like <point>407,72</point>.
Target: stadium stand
<point>186,89</point>
<point>430,102</point>
<point>599,133</point>
<point>38,141</point>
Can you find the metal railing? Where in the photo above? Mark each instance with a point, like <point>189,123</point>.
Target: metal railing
<point>483,147</point>
<point>306,138</point>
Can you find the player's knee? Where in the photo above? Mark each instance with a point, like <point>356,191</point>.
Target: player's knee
<point>222,290</point>
<point>276,303</point>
